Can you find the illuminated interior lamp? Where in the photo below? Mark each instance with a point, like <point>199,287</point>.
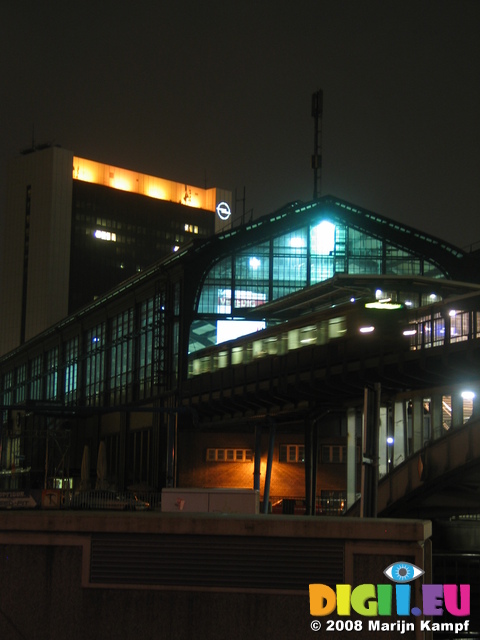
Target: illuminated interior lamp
<point>383,304</point>
<point>468,395</point>
<point>322,238</point>
<point>389,440</point>
<point>366,329</point>
<point>254,263</point>
<point>452,313</point>
<point>410,332</point>
<point>297,243</point>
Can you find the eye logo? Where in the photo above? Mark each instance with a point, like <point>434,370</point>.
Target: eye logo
<point>402,572</point>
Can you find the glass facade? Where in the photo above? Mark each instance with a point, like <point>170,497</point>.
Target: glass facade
<point>290,262</point>
<point>121,357</point>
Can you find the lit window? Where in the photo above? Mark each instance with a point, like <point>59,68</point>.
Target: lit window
<point>291,453</point>
<point>105,235</point>
<point>229,455</point>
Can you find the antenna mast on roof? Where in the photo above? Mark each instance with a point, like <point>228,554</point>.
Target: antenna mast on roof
<point>317,112</point>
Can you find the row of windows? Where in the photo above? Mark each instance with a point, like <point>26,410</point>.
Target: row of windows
<point>118,362</point>
<point>115,225</point>
<point>229,455</point>
<point>287,453</point>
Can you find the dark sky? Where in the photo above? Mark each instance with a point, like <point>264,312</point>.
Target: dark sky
<point>221,90</point>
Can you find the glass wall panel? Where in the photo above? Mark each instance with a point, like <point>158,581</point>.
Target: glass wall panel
<point>252,277</point>
<point>365,253</point>
<point>51,378</point>
<point>400,263</point>
<point>322,251</point>
<point>36,378</point>
<point>20,384</point>
<point>216,294</point>
<point>121,357</point>
<point>145,349</point>
<point>289,263</point>
<point>71,370</point>
<point>95,346</point>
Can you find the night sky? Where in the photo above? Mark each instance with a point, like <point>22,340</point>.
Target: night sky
<point>219,93</point>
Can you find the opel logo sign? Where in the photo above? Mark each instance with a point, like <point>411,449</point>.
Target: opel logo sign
<point>223,211</point>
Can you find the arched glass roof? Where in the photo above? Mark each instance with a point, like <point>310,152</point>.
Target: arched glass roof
<point>321,240</point>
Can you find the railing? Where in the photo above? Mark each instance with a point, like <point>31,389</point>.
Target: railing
<point>296,506</point>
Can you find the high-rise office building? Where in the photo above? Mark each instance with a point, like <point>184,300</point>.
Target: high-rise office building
<point>75,228</point>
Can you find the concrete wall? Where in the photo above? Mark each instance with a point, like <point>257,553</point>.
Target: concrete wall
<point>69,575</point>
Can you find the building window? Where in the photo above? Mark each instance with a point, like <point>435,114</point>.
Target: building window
<point>51,379</point>
<point>229,455</point>
<point>20,384</point>
<point>334,453</point>
<point>121,357</point>
<point>145,349</point>
<point>71,370</point>
<point>7,393</point>
<point>95,340</point>
<point>291,453</point>
<point>36,378</point>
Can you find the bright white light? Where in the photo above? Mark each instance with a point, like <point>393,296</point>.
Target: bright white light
<point>408,303</point>
<point>452,313</point>
<point>378,294</point>
<point>410,332</point>
<point>433,296</point>
<point>297,242</point>
<point>366,329</point>
<point>254,263</point>
<point>230,330</point>
<point>322,238</point>
<point>468,395</point>
<point>176,248</point>
<point>105,235</point>
<point>389,440</point>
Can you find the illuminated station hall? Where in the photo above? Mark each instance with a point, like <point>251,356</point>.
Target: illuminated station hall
<point>243,360</point>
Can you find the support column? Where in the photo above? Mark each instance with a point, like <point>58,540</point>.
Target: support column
<point>268,473</point>
<point>417,423</point>
<point>457,409</point>
<point>351,457</point>
<point>436,417</point>
<point>399,433</point>
<point>368,504</point>
<point>382,443</point>
<point>257,458</point>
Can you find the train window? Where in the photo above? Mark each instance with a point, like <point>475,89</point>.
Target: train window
<point>308,335</point>
<point>459,325</point>
<point>293,339</point>
<point>237,355</point>
<point>271,345</point>
<point>258,349</point>
<point>337,327</point>
<point>222,360</point>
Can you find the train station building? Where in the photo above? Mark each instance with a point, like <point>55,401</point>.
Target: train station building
<point>237,360</point>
